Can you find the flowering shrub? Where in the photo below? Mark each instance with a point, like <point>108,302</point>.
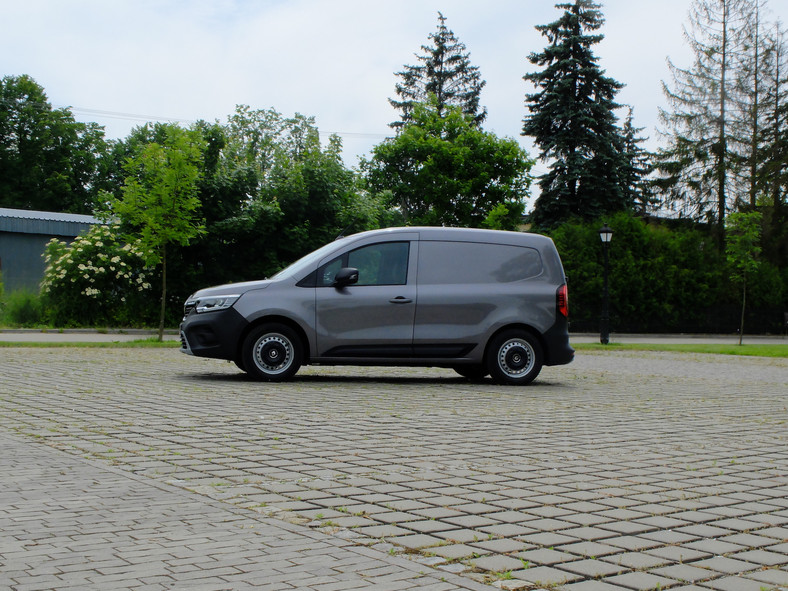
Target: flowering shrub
<point>97,280</point>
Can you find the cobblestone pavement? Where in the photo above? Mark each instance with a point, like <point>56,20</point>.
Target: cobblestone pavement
<point>621,471</point>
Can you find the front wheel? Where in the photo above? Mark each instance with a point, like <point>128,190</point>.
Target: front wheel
<point>272,352</point>
<point>514,357</point>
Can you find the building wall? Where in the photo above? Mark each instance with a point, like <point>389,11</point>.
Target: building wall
<point>22,261</point>
<point>23,238</point>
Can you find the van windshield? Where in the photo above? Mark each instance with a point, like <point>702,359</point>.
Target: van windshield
<point>306,263</point>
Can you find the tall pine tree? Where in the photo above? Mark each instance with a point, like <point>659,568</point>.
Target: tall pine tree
<point>572,120</point>
<point>445,72</point>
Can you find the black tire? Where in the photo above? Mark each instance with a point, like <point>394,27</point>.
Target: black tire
<point>475,373</point>
<point>272,352</point>
<point>514,358</point>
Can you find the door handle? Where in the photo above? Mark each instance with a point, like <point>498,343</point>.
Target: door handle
<point>400,300</point>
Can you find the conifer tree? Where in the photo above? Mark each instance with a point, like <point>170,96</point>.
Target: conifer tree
<point>699,167</point>
<point>572,120</point>
<point>445,72</point>
<point>637,167</point>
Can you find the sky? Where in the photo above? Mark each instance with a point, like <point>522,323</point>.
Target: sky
<point>122,63</point>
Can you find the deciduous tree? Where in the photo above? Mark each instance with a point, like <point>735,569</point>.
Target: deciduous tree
<point>442,170</point>
<point>48,161</point>
<point>159,198</point>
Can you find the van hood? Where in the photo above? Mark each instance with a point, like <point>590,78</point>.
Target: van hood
<point>231,288</point>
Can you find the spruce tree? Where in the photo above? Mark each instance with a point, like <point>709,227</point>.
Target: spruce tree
<point>572,120</point>
<point>445,72</point>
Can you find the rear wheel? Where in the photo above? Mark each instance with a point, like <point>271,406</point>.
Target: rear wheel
<point>514,357</point>
<point>272,352</point>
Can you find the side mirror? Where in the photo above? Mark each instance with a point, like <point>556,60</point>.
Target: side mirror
<point>346,276</point>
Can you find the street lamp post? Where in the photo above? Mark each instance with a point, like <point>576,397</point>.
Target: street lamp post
<point>605,234</point>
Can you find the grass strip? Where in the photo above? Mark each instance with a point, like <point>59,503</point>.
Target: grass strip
<point>748,350</point>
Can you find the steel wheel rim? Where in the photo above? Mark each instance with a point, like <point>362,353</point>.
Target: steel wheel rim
<point>273,353</point>
<point>516,358</point>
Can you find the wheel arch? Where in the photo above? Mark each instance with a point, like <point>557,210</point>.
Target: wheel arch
<point>517,326</point>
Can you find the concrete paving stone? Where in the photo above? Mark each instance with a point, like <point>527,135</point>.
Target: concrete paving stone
<point>591,586</point>
<point>461,536</point>
<point>734,584</point>
<point>589,549</point>
<point>396,517</point>
<point>636,560</point>
<point>780,548</point>
<point>725,565</point>
<point>496,563</point>
<point>502,546</point>
<point>748,539</point>
<point>588,533</point>
<point>685,573</point>
<point>456,551</point>
<point>627,527</point>
<point>761,557</point>
<point>666,536</point>
<point>779,533</point>
<point>548,511</point>
<point>771,576</point>
<point>429,526</point>
<point>547,576</point>
<point>586,519</point>
<point>594,568</point>
<point>505,516</point>
<point>545,556</point>
<point>470,521</point>
<point>437,512</point>
<point>633,543</point>
<point>547,539</point>
<point>506,530</point>
<point>548,525</point>
<point>640,581</point>
<point>416,541</point>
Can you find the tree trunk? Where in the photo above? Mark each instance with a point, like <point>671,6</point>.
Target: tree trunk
<point>743,303</point>
<point>163,291</point>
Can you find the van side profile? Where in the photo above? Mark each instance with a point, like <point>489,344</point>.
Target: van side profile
<point>483,302</point>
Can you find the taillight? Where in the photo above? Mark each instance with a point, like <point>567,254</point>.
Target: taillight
<point>562,300</point>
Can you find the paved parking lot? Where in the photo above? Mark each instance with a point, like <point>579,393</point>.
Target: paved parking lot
<point>621,471</point>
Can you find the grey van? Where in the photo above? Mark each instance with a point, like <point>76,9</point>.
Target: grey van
<point>482,302</point>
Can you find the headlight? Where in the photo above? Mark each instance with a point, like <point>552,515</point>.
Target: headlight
<point>214,303</point>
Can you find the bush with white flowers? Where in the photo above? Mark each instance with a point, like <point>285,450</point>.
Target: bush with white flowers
<point>97,280</point>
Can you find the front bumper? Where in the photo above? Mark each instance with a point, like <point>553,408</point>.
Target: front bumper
<point>212,334</point>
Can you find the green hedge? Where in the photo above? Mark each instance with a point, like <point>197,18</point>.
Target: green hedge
<point>663,279</point>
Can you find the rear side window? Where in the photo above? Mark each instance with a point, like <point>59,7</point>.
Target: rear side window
<point>385,263</point>
<point>473,262</point>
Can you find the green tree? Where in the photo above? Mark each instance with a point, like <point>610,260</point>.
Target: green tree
<point>773,179</point>
<point>742,249</point>
<point>441,169</point>
<point>572,120</point>
<point>295,194</point>
<point>698,168</point>
<point>637,168</point>
<point>48,161</point>
<point>159,198</point>
<point>445,72</point>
